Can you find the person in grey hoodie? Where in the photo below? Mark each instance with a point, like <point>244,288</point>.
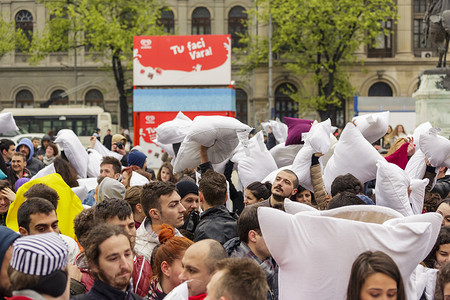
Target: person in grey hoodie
<point>33,164</point>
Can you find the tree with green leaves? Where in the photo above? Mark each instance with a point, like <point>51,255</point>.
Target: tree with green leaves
<point>316,39</point>
<point>106,27</point>
<point>11,38</point>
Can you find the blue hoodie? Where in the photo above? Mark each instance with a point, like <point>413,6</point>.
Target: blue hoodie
<point>27,142</point>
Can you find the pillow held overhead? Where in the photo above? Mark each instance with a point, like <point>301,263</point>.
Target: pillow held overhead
<point>8,123</point>
<point>373,126</point>
<point>74,150</point>
<point>436,148</point>
<point>174,131</point>
<point>295,129</point>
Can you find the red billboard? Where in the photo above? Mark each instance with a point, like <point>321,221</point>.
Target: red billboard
<point>182,60</point>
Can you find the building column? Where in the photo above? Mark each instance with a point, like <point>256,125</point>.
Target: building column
<point>404,29</point>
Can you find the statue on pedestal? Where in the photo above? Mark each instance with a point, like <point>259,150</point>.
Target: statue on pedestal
<point>437,28</point>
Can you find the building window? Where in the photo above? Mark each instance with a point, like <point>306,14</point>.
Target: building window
<point>24,99</point>
<point>167,21</point>
<point>59,97</point>
<point>284,105</point>
<point>380,89</point>
<point>237,25</point>
<point>24,21</point>
<point>201,21</point>
<point>383,43</point>
<point>420,46</point>
<point>94,98</point>
<point>241,106</point>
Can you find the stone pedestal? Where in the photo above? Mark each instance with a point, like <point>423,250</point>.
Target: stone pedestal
<point>433,99</point>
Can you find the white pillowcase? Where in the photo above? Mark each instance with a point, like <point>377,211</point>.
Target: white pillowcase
<point>74,151</point>
<point>166,147</point>
<point>318,236</point>
<point>421,129</point>
<point>50,169</point>
<point>373,126</point>
<point>103,151</point>
<point>254,162</point>
<point>271,177</point>
<point>222,134</point>
<point>319,136</point>
<point>174,131</point>
<point>138,179</point>
<point>417,196</point>
<point>436,148</point>
<point>81,191</point>
<point>353,154</point>
<point>284,155</point>
<point>90,183</point>
<point>279,129</point>
<point>8,123</point>
<point>392,186</point>
<point>95,159</point>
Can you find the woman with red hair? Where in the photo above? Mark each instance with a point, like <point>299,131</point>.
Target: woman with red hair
<point>167,262</point>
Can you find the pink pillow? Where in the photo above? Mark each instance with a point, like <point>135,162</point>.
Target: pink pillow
<point>295,129</point>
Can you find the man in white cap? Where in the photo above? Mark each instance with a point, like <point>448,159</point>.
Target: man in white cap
<point>38,268</point>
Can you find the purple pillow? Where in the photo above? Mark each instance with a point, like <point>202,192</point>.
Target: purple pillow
<point>295,129</point>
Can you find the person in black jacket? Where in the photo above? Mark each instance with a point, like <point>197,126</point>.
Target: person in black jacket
<point>110,256</point>
<point>107,140</point>
<point>216,222</point>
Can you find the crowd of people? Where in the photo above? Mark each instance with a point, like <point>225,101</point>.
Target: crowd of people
<point>193,234</point>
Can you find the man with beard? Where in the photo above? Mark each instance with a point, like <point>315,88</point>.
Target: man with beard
<point>188,192</point>
<point>110,256</point>
<point>7,238</point>
<point>284,186</point>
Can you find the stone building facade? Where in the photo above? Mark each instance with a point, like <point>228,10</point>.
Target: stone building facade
<point>390,70</point>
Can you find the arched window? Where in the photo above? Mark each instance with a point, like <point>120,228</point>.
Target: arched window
<point>237,18</point>
<point>24,21</point>
<point>241,106</point>
<point>284,105</point>
<point>24,99</point>
<point>380,89</point>
<point>201,21</point>
<point>167,21</point>
<point>59,97</point>
<point>94,98</point>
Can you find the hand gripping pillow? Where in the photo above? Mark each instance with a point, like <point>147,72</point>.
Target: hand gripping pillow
<point>392,186</point>
<point>221,133</point>
<point>373,126</point>
<point>284,155</point>
<point>174,131</point>
<point>296,127</point>
<point>324,240</point>
<point>8,123</point>
<point>421,129</point>
<point>417,196</point>
<point>353,154</point>
<point>74,150</point>
<point>436,148</point>
<point>254,162</point>
<point>279,130</point>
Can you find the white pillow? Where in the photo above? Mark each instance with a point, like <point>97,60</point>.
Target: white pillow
<point>105,151</point>
<point>80,191</point>
<point>421,129</point>
<point>8,123</point>
<point>318,236</point>
<point>293,207</point>
<point>319,136</point>
<point>174,131</point>
<point>326,157</point>
<point>416,166</point>
<point>373,126</point>
<point>95,159</point>
<point>50,169</point>
<point>284,155</point>
<point>253,162</point>
<point>302,164</point>
<point>220,167</point>
<point>138,179</point>
<point>279,129</point>
<point>222,134</point>
<point>417,196</point>
<point>166,147</point>
<point>353,154</point>
<point>90,183</point>
<point>392,186</point>
<point>271,177</point>
<point>436,148</point>
<point>74,151</point>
